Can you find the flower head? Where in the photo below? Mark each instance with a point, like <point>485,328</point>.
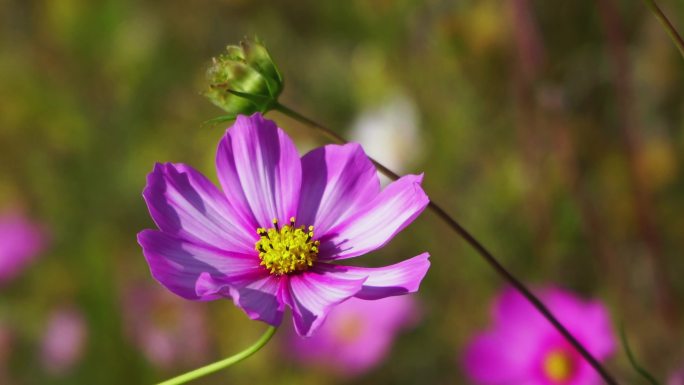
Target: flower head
<point>160,324</point>
<point>522,348</point>
<point>244,79</point>
<point>390,132</point>
<point>272,237</point>
<point>676,378</point>
<point>357,335</point>
<point>64,340</point>
<point>22,241</point>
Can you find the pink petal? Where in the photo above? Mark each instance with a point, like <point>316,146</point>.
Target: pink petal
<point>313,293</point>
<point>64,340</point>
<point>588,321</point>
<point>184,203</point>
<point>492,359</point>
<point>511,308</point>
<point>356,336</point>
<point>21,241</point>
<point>376,223</point>
<point>401,278</point>
<point>261,298</point>
<point>336,182</point>
<point>260,171</point>
<point>193,271</point>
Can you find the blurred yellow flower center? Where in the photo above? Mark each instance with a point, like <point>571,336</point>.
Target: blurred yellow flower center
<point>349,328</point>
<point>287,249</point>
<point>558,366</point>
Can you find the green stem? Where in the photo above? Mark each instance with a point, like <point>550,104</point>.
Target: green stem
<point>481,250</point>
<point>674,35</point>
<point>216,366</point>
<point>643,372</point>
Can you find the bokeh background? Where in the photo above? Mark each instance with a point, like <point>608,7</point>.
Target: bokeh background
<point>552,130</point>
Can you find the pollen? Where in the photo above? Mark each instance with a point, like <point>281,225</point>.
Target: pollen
<point>558,366</point>
<point>287,249</point>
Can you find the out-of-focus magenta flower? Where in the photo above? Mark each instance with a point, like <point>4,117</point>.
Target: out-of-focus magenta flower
<point>64,340</point>
<point>676,378</point>
<point>272,237</point>
<point>168,330</point>
<point>20,243</point>
<point>357,335</point>
<point>523,348</point>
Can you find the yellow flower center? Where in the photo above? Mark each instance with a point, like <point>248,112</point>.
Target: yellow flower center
<point>348,327</point>
<point>286,249</point>
<point>558,366</point>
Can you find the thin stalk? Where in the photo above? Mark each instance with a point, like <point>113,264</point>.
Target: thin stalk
<point>216,366</point>
<point>632,360</point>
<point>665,22</point>
<point>474,243</point>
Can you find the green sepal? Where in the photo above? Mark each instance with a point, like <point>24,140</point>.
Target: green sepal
<point>244,79</point>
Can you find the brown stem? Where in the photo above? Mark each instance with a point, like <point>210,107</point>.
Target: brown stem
<point>665,22</point>
<point>474,243</point>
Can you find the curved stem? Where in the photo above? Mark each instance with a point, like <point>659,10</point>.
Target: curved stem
<point>216,366</point>
<point>671,30</point>
<point>643,372</point>
<point>474,243</point>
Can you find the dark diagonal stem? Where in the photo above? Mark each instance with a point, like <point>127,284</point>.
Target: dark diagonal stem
<point>474,243</point>
<point>671,30</point>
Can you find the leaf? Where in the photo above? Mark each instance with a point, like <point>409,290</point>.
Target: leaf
<point>219,119</point>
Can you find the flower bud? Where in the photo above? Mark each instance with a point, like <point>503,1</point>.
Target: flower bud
<point>244,79</point>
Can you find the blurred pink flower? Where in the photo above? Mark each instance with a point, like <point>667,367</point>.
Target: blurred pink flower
<point>676,378</point>
<point>523,348</point>
<point>168,330</point>
<point>20,242</point>
<point>357,334</point>
<point>64,340</point>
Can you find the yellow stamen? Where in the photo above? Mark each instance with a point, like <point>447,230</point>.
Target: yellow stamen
<point>287,249</point>
<point>558,366</point>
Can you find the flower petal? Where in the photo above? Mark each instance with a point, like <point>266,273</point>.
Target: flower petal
<point>260,171</point>
<point>401,278</point>
<point>313,293</point>
<point>184,203</point>
<point>588,321</point>
<point>261,298</point>
<point>193,271</point>
<point>376,223</point>
<point>336,182</point>
<point>511,308</point>
<point>488,360</point>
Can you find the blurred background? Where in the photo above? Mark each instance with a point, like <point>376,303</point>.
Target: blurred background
<point>552,130</point>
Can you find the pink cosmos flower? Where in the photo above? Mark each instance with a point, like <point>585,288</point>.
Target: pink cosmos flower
<point>676,378</point>
<point>64,340</point>
<point>20,242</point>
<point>272,238</point>
<point>523,348</point>
<point>357,335</point>
<point>160,325</point>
